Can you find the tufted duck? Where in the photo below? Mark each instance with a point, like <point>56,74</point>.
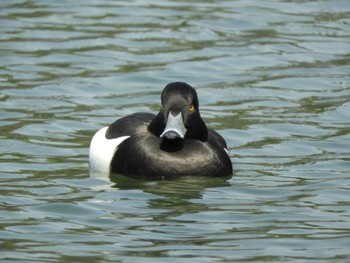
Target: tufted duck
<point>175,142</point>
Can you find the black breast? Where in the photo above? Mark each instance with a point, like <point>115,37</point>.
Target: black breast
<point>146,156</point>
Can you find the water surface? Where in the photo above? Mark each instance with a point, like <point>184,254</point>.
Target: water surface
<point>272,77</point>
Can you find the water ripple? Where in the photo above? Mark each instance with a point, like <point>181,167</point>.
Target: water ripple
<point>273,79</point>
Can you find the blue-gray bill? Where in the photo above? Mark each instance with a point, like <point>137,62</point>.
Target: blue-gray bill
<point>174,128</point>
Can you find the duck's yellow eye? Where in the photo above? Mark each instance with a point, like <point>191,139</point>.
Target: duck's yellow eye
<point>192,107</point>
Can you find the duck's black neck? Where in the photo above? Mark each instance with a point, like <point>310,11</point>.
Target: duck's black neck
<point>198,130</point>
<point>157,125</point>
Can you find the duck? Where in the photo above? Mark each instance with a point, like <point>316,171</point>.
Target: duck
<point>174,143</point>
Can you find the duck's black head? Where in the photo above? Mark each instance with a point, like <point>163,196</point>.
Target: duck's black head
<point>179,116</point>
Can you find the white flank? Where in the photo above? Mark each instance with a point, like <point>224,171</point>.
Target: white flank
<point>102,150</point>
<point>226,151</point>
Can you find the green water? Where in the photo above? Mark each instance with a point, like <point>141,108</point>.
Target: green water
<point>272,77</point>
